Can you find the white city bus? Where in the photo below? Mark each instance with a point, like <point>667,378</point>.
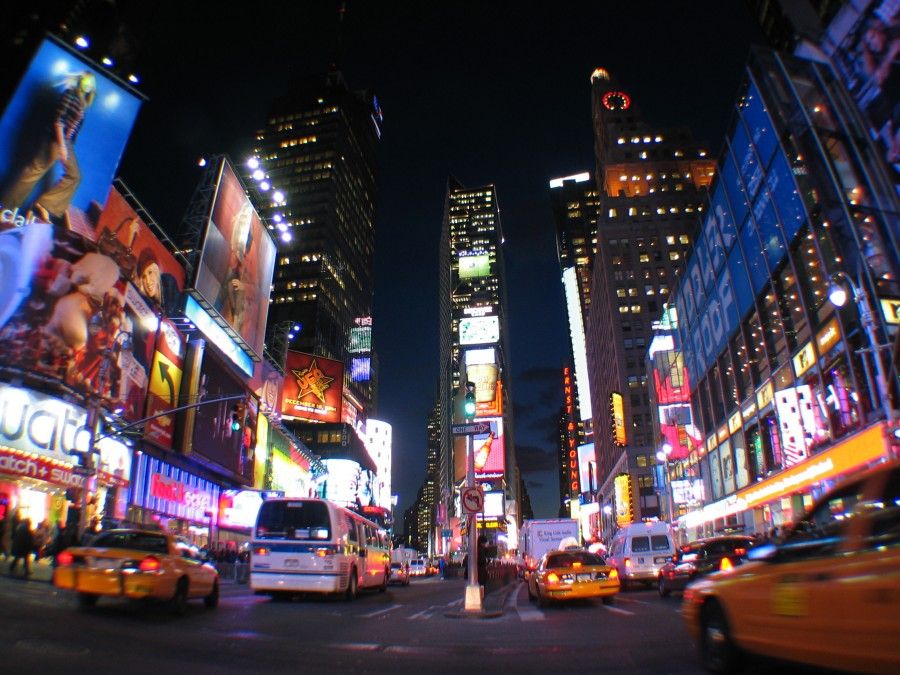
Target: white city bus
<point>308,545</point>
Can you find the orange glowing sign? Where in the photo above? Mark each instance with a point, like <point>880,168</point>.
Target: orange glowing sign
<point>624,506</point>
<point>617,414</point>
<point>313,388</point>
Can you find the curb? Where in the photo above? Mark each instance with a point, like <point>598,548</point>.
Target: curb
<point>506,591</point>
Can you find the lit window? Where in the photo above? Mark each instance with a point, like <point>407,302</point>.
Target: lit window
<point>670,240</point>
<point>679,153</point>
<point>620,292</point>
<point>684,239</point>
<point>644,154</point>
<point>674,255</point>
<point>649,290</point>
<point>635,309</point>
<point>635,139</point>
<point>632,211</point>
<point>632,292</point>
<point>646,139</point>
<point>660,211</point>
<point>612,213</point>
<point>623,309</point>
<point>658,139</point>
<point>621,141</point>
<point>645,257</point>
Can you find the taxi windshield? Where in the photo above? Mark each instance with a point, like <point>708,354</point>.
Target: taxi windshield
<point>138,541</point>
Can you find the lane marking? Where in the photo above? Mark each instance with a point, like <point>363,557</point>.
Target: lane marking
<point>637,602</point>
<point>526,612</point>
<point>380,611</point>
<point>618,610</point>
<point>417,615</point>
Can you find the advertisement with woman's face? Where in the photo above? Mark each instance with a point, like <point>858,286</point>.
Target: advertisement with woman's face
<point>237,261</point>
<point>73,317</point>
<point>123,236</point>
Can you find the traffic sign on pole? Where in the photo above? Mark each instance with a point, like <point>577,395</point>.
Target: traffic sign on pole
<point>472,499</point>
<point>473,428</point>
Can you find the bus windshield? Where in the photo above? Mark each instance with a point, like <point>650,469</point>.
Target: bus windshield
<point>293,520</point>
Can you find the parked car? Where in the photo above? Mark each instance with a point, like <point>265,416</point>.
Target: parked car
<point>570,574</point>
<point>827,595</point>
<point>700,558</point>
<point>137,564</point>
<point>399,574</point>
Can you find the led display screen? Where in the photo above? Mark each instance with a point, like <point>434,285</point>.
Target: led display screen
<point>471,266</point>
<point>488,449</point>
<point>494,503</point>
<point>239,508</point>
<point>313,388</point>
<point>624,499</point>
<point>360,339</point>
<point>234,274</point>
<point>617,414</point>
<point>61,138</point>
<point>587,467</point>
<point>479,330</point>
<point>476,357</point>
<point>360,369</point>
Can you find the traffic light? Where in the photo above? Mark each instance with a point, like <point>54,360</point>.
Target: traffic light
<point>469,403</point>
<point>238,411</point>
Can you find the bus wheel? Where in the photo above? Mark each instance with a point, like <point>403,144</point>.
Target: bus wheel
<point>351,585</point>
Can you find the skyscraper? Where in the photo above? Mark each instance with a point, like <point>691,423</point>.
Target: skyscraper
<point>318,148</point>
<point>576,209</point>
<point>474,347</point>
<point>652,187</point>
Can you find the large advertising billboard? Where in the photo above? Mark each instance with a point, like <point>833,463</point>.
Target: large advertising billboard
<point>165,385</point>
<point>61,138</point>
<point>123,236</point>
<point>479,330</point>
<point>472,266</point>
<point>67,313</point>
<point>234,274</point>
<point>313,388</point>
<point>215,439</point>
<point>488,451</point>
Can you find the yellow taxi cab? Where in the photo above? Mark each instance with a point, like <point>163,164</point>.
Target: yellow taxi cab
<point>570,574</point>
<point>828,594</point>
<point>137,564</point>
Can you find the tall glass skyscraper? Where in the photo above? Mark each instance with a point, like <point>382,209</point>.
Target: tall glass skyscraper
<point>318,148</point>
<point>474,346</point>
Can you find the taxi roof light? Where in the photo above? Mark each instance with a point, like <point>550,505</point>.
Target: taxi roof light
<point>614,574</point>
<point>726,565</point>
<point>65,558</point>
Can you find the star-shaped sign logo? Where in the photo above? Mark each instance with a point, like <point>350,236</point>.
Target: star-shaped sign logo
<point>312,380</point>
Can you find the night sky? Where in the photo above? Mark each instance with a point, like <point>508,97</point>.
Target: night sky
<point>487,92</point>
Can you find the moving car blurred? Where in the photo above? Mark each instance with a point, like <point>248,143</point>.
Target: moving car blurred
<point>399,574</point>
<point>570,574</point>
<point>137,564</point>
<point>700,558</point>
<point>638,550</point>
<point>418,567</point>
<point>827,595</point>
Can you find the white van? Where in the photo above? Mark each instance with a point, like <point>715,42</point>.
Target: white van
<point>638,551</point>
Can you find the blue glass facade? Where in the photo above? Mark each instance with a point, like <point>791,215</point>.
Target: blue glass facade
<point>775,369</point>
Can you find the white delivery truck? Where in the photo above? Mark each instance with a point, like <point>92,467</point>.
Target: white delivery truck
<point>404,555</point>
<point>539,536</point>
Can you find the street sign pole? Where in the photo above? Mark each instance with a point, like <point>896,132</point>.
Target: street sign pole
<point>473,598</point>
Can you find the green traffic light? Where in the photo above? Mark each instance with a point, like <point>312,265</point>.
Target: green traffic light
<point>235,425</point>
<point>469,408</point>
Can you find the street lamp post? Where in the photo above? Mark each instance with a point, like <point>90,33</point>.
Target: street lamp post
<point>838,297</point>
<point>473,601</point>
<point>122,341</point>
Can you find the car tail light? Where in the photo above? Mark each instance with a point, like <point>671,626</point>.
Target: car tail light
<point>740,551</point>
<point>627,563</point>
<point>322,552</point>
<point>261,551</point>
<point>576,564</point>
<point>65,558</point>
<point>552,578</point>
<point>614,574</point>
<point>149,564</point>
<point>726,565</point>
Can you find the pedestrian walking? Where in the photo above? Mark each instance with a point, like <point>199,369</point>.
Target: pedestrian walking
<point>22,546</point>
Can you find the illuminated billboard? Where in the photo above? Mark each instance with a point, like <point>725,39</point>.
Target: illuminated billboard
<point>579,345</point>
<point>624,499</point>
<point>485,378</point>
<point>494,503</point>
<point>587,467</point>
<point>214,440</point>
<point>617,418</point>
<point>165,384</point>
<point>123,236</point>
<point>476,357</point>
<point>61,138</point>
<point>313,388</point>
<point>239,508</point>
<point>234,274</point>
<point>360,339</point>
<point>360,369</point>
<point>471,266</point>
<point>479,330</point>
<point>66,313</point>
<point>488,449</point>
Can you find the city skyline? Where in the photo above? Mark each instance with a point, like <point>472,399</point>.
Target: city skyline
<point>433,93</point>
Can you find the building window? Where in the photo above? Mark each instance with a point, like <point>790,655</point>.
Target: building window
<point>674,255</point>
<point>644,257</point>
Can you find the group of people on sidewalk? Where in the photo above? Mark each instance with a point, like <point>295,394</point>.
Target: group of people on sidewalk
<point>19,542</point>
